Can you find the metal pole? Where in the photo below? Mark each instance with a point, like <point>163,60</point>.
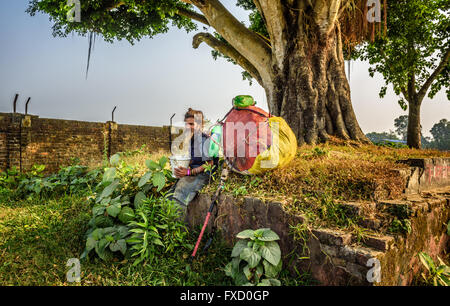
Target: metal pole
<point>215,199</point>
<point>26,105</point>
<point>112,119</point>
<point>170,133</point>
<point>15,103</point>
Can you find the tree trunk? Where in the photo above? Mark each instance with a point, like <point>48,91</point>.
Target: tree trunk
<point>302,70</point>
<point>414,131</point>
<point>310,90</point>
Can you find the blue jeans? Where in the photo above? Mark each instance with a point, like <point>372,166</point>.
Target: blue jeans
<point>187,187</point>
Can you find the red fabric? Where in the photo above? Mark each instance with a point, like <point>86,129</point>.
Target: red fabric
<point>249,139</point>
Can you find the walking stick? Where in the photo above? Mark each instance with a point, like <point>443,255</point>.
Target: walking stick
<point>223,178</point>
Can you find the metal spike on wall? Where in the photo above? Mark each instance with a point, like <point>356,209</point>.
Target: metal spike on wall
<point>91,38</point>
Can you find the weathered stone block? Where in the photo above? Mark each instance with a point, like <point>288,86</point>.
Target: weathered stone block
<point>332,237</point>
<point>383,243</point>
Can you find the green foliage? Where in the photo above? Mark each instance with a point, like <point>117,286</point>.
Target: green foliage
<point>74,179</point>
<point>401,126</point>
<point>157,229</point>
<point>255,181</point>
<point>256,259</point>
<point>257,23</point>
<point>106,240</point>
<point>438,275</point>
<point>379,137</point>
<point>301,233</point>
<point>123,207</point>
<point>38,234</point>
<point>416,42</point>
<point>12,178</point>
<point>400,226</point>
<point>391,144</point>
<point>239,191</point>
<point>132,21</point>
<point>319,152</point>
<point>37,237</point>
<point>441,135</point>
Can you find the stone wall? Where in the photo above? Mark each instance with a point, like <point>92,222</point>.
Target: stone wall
<point>339,257</point>
<point>427,173</point>
<point>26,140</point>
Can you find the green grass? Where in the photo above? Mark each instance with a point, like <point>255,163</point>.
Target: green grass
<point>38,236</point>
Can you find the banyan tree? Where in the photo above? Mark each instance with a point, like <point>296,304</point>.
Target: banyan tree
<point>293,48</point>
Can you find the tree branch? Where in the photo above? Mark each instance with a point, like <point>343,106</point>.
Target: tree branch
<point>434,75</point>
<point>244,41</point>
<point>272,12</point>
<point>193,15</point>
<point>405,93</point>
<point>326,13</point>
<point>228,50</point>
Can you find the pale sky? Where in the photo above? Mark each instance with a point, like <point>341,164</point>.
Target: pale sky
<point>151,80</point>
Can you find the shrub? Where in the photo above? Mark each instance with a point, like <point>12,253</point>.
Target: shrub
<point>131,214</point>
<point>256,259</point>
<point>74,179</point>
<point>156,229</point>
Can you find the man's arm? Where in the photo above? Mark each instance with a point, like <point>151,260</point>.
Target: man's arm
<point>181,171</point>
<point>201,168</point>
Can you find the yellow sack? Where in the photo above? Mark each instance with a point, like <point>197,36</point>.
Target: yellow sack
<point>282,150</point>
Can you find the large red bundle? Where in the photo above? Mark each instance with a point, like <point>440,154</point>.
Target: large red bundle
<point>246,134</point>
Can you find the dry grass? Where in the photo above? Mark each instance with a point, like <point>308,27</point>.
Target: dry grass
<point>344,170</point>
<point>136,159</point>
<point>321,174</point>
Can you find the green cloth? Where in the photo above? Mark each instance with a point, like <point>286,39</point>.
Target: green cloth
<point>243,101</point>
<point>214,145</point>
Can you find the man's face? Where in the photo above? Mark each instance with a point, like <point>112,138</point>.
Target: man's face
<point>191,124</point>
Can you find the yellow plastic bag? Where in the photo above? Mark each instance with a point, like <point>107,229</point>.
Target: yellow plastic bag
<point>282,150</point>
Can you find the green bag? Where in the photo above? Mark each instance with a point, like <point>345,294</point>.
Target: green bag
<point>243,101</point>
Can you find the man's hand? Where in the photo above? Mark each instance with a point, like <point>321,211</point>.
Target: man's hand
<point>180,172</point>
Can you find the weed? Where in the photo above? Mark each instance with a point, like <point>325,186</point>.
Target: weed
<point>239,191</point>
<point>402,226</point>
<point>438,275</point>
<point>256,258</point>
<point>301,232</point>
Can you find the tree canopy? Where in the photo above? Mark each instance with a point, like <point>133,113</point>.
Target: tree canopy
<point>133,20</point>
<point>441,134</point>
<point>293,49</point>
<point>116,20</point>
<point>414,55</point>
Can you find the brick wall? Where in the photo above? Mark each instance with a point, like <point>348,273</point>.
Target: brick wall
<point>26,140</point>
<point>5,122</point>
